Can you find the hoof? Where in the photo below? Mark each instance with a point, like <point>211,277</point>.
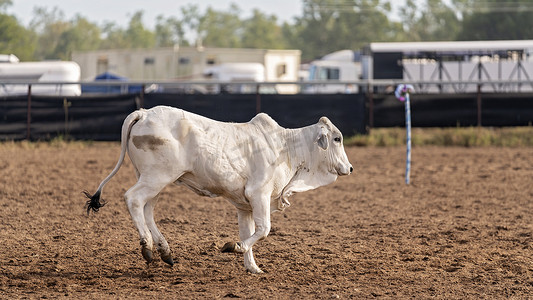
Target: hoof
<point>255,271</point>
<point>168,259</point>
<point>229,247</point>
<point>148,255</point>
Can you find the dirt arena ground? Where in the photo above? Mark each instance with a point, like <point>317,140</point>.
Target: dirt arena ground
<point>462,229</point>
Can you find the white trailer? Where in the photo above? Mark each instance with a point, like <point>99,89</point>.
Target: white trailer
<point>453,66</point>
<point>11,70</point>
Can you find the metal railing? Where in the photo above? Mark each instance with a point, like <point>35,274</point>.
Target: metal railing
<point>364,85</point>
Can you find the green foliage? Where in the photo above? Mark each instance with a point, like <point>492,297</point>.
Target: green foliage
<point>324,26</point>
<point>114,37</point>
<point>15,39</point>
<point>48,25</point>
<point>330,25</point>
<point>137,35</point>
<point>459,136</point>
<point>261,25</point>
<point>434,21</point>
<point>80,35</point>
<point>169,32</point>
<point>497,20</point>
<point>221,29</point>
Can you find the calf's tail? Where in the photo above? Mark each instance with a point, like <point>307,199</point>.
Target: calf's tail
<point>95,202</point>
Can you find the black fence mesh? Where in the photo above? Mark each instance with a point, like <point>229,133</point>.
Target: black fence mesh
<point>101,117</point>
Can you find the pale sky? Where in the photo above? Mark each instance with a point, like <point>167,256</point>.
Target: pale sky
<point>120,11</point>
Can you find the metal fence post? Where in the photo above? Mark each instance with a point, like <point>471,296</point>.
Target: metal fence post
<point>479,105</point>
<point>28,116</point>
<point>370,98</point>
<point>257,100</point>
<point>142,97</point>
<point>66,105</point>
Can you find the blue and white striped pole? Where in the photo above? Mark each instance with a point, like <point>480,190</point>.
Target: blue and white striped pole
<point>402,93</point>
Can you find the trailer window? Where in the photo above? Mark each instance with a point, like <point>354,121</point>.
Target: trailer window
<point>210,60</point>
<point>149,60</point>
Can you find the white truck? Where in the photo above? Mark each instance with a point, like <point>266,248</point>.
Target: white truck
<point>12,70</point>
<point>343,66</point>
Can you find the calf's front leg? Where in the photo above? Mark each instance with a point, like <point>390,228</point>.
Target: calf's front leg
<point>253,226</point>
<point>246,229</point>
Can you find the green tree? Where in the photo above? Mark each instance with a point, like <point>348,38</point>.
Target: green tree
<point>48,25</point>
<point>191,20</point>
<point>432,21</point>
<point>262,31</point>
<point>221,29</point>
<point>15,39</point>
<point>316,27</point>
<point>291,35</point>
<point>169,32</point>
<point>137,35</point>
<point>114,37</point>
<point>368,22</point>
<point>81,35</point>
<point>331,25</point>
<point>497,20</point>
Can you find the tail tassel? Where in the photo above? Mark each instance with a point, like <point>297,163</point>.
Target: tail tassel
<point>94,203</point>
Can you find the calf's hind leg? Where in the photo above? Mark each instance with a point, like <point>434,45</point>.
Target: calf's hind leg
<point>159,239</point>
<point>137,198</point>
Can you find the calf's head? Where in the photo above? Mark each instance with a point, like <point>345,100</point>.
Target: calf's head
<point>329,139</point>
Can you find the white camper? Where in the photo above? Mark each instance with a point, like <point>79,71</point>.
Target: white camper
<point>12,70</point>
<point>341,66</point>
<point>243,74</point>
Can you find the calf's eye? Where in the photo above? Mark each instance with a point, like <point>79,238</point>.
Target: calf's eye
<point>337,139</point>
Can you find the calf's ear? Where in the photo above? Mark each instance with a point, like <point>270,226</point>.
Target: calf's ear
<point>322,138</point>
